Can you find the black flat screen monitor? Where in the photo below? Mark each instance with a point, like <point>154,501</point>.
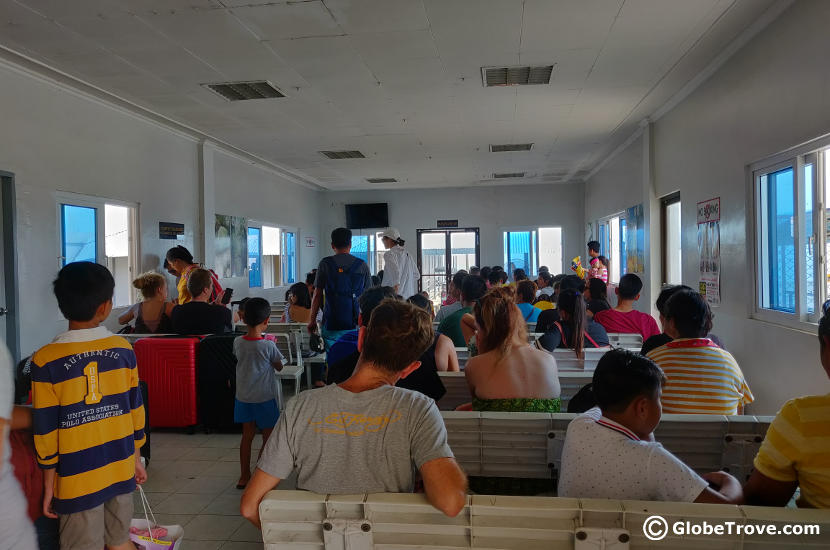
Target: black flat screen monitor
<point>367,216</point>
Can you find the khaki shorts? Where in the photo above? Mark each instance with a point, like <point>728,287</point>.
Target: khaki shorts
<point>107,524</point>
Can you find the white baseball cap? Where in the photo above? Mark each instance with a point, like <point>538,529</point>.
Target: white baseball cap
<point>392,233</point>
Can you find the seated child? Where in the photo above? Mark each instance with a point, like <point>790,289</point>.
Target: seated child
<point>795,450</point>
<point>624,319</point>
<point>255,405</point>
<point>88,416</point>
<point>610,451</point>
<point>199,316</point>
<point>702,377</point>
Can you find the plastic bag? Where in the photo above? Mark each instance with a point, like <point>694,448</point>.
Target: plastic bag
<point>171,541</point>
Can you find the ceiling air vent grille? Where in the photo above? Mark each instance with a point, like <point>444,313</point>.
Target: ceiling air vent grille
<point>340,155</point>
<point>516,76</point>
<point>508,175</point>
<point>241,91</point>
<point>381,180</point>
<point>511,147</point>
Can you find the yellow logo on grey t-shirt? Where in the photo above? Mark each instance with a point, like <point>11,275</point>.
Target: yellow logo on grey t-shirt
<point>354,424</point>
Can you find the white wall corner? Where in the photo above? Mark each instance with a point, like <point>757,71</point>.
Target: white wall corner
<point>207,203</point>
<point>651,214</point>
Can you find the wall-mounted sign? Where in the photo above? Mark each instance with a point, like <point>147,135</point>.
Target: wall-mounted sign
<point>708,244</point>
<point>170,230</point>
<point>310,242</point>
<point>708,211</point>
<point>447,223</point>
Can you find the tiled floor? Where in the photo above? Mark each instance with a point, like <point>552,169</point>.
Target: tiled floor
<point>191,481</point>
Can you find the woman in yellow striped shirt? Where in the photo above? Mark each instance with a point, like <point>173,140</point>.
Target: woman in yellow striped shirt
<point>702,377</point>
<point>796,448</point>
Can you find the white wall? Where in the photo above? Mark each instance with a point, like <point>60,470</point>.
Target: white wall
<point>54,139</point>
<point>492,209</point>
<point>773,94</point>
<point>244,189</point>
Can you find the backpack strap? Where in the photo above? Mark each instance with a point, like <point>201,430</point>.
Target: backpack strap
<point>558,325</point>
<point>585,332</point>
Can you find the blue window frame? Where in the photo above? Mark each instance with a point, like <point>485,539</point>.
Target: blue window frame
<point>254,257</point>
<point>79,234</point>
<point>520,251</point>
<point>778,273</point>
<point>289,257</point>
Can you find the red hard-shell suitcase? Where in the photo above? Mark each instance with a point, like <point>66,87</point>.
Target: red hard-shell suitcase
<point>168,365</point>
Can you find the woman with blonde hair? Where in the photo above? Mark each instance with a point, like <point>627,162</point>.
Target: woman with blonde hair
<point>152,315</point>
<point>509,374</point>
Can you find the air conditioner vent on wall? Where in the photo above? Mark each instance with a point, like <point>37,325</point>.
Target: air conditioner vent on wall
<point>515,76</point>
<point>508,175</point>
<point>381,180</point>
<point>340,155</point>
<point>241,91</point>
<point>511,147</point>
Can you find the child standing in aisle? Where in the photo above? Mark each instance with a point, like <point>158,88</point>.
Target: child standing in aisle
<point>88,416</point>
<point>256,382</point>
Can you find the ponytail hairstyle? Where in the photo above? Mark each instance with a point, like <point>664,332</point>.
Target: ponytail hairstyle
<point>571,302</point>
<point>499,319</point>
<point>179,253</point>
<point>149,283</point>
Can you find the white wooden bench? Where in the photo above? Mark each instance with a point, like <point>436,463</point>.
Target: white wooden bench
<point>298,520</point>
<point>633,342</point>
<point>530,444</point>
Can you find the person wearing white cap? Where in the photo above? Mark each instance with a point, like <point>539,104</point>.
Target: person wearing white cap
<point>399,268</point>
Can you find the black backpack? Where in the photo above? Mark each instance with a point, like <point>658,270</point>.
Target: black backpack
<point>583,400</point>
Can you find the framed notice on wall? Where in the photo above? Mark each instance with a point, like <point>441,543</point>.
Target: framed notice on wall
<point>708,245</point>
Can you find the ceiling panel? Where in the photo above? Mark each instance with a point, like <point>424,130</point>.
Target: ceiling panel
<point>398,79</point>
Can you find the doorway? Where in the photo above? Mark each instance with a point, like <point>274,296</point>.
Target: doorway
<point>9,302</point>
<point>441,253</point>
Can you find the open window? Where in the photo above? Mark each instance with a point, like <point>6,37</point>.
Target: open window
<point>94,229</point>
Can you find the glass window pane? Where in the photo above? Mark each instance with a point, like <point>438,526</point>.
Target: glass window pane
<point>778,242</point>
<point>623,254</point>
<point>117,252</point>
<point>78,234</point>
<point>289,257</point>
<point>270,241</point>
<point>550,248</point>
<point>614,259</point>
<point>360,247</point>
<point>254,257</point>
<point>519,247</point>
<point>462,251</point>
<point>674,262</point>
<point>809,238</point>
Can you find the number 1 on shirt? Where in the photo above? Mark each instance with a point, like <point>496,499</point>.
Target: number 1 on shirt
<point>93,392</point>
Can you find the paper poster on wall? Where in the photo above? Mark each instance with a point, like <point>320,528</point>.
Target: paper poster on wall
<point>635,240</point>
<point>708,244</point>
<point>310,242</point>
<point>231,246</point>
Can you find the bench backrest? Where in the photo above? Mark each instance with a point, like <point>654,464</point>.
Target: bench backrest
<point>299,520</point>
<point>530,444</point>
<point>458,392</point>
<point>628,341</point>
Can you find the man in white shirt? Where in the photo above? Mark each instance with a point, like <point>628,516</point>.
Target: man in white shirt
<point>399,268</point>
<point>610,450</point>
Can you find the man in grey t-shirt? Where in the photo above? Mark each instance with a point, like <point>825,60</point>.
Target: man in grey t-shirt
<point>365,435</point>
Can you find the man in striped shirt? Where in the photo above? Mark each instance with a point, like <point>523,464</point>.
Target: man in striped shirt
<point>796,448</point>
<point>702,377</point>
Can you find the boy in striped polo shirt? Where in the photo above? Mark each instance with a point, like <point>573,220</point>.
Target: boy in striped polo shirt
<point>796,448</point>
<point>88,416</point>
<point>702,377</point>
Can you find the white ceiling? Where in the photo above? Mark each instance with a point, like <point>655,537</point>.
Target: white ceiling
<point>399,80</point>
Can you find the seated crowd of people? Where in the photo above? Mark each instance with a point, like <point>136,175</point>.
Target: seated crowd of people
<point>375,409</point>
